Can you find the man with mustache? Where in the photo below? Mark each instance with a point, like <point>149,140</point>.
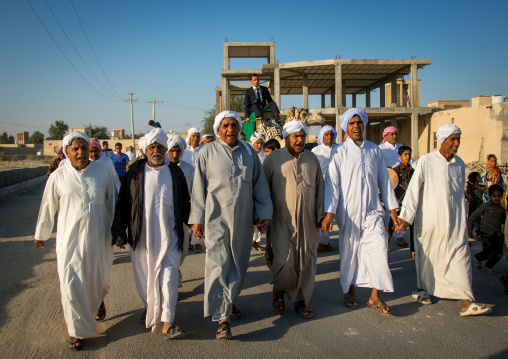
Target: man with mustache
<point>356,173</point>
<point>190,154</point>
<point>152,209</point>
<point>84,195</point>
<point>435,202</point>
<point>229,196</point>
<point>297,190</point>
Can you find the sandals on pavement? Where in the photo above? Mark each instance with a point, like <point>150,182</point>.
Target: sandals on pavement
<point>197,248</point>
<point>304,311</point>
<point>101,313</point>
<point>477,263</point>
<point>475,309</point>
<point>401,242</point>
<point>224,331</point>
<point>235,313</point>
<point>75,343</point>
<point>278,304</point>
<point>422,297</point>
<point>174,332</point>
<point>258,247</point>
<point>491,271</point>
<point>350,301</point>
<point>379,306</point>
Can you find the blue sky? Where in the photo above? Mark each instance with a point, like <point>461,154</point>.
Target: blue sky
<point>173,51</point>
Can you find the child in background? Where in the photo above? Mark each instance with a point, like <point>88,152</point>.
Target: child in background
<point>407,172</point>
<point>492,216</point>
<point>270,146</point>
<point>492,175</point>
<point>474,195</point>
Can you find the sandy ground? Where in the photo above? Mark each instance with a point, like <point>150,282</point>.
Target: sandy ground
<point>32,323</point>
<point>43,161</point>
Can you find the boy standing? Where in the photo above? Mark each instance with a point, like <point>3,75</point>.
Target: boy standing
<point>492,216</point>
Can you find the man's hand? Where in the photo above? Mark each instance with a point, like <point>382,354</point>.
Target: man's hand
<point>38,244</point>
<point>327,223</point>
<point>395,219</point>
<point>198,230</point>
<point>401,225</point>
<point>263,224</point>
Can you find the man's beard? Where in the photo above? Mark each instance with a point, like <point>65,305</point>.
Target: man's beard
<point>157,159</point>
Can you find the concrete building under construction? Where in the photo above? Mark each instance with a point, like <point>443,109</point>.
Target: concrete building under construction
<point>339,83</point>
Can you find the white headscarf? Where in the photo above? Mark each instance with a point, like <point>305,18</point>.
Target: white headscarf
<point>176,140</point>
<point>256,136</point>
<point>230,114</point>
<point>446,131</point>
<point>156,135</point>
<point>294,126</point>
<point>141,144</point>
<point>349,114</point>
<point>324,130</point>
<point>221,116</point>
<point>190,132</point>
<point>67,140</point>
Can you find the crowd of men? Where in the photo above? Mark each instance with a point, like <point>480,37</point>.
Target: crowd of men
<point>223,194</point>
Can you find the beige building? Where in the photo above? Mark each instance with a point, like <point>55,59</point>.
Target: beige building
<point>484,128</point>
<point>86,131</point>
<point>22,138</point>
<point>449,105</point>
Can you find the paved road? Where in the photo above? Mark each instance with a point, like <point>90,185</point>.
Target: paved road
<point>32,325</point>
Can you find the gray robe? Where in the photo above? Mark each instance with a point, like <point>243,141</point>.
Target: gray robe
<point>297,191</point>
<point>229,192</point>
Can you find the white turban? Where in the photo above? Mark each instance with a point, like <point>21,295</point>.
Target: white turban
<point>190,132</point>
<point>324,130</point>
<point>256,136</point>
<point>221,116</point>
<point>156,135</point>
<point>349,114</point>
<point>446,131</point>
<point>141,144</point>
<point>176,140</point>
<point>67,140</point>
<point>294,126</point>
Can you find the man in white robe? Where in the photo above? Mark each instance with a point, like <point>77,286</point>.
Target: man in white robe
<point>229,196</point>
<point>355,174</point>
<point>257,140</point>
<point>326,143</point>
<point>84,195</point>
<point>434,200</point>
<point>152,209</point>
<point>190,154</point>
<point>95,155</point>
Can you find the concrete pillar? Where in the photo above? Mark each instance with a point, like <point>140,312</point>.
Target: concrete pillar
<point>340,135</point>
<point>367,98</point>
<point>344,92</point>
<point>354,100</point>
<point>414,86</point>
<point>338,86</point>
<point>323,103</point>
<point>332,99</point>
<point>276,86</point>
<point>394,92</point>
<point>414,134</point>
<point>271,60</point>
<point>225,93</point>
<point>382,96</point>
<point>305,91</point>
<point>226,57</point>
<point>217,102</point>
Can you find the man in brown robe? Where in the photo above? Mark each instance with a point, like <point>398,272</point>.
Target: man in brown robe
<point>297,191</point>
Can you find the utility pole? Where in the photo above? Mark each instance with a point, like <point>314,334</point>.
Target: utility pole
<point>132,117</point>
<point>187,125</point>
<point>153,111</point>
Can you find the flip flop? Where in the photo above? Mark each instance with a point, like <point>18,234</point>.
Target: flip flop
<point>278,301</point>
<point>226,334</point>
<point>421,296</point>
<point>378,305</point>
<point>475,309</point>
<point>75,343</point>
<point>101,313</point>
<point>304,311</point>
<point>174,332</point>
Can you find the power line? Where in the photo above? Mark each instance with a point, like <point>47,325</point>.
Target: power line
<point>63,53</point>
<point>77,52</point>
<point>23,124</point>
<point>93,50</point>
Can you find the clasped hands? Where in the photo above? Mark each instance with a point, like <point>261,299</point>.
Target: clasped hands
<point>398,223</point>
